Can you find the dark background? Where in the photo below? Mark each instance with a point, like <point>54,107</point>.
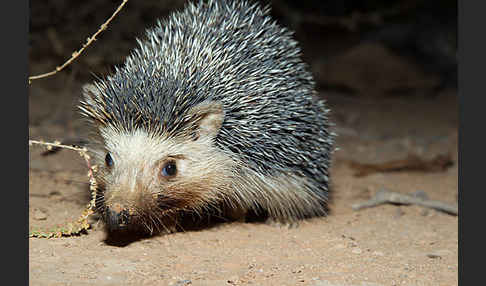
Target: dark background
<point>404,47</point>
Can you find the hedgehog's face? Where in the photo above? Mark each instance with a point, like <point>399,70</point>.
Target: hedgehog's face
<point>146,181</point>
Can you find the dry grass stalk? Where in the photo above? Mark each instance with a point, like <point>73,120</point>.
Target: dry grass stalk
<point>77,53</point>
<point>81,224</point>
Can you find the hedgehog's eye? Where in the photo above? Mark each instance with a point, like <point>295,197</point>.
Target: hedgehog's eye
<point>169,169</point>
<point>108,160</point>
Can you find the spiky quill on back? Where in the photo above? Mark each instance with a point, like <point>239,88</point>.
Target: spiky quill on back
<point>229,52</point>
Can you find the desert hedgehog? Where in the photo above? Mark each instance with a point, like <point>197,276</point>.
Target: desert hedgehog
<point>214,111</point>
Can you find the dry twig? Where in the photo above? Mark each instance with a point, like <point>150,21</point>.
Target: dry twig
<point>81,225</point>
<point>384,196</point>
<point>88,42</point>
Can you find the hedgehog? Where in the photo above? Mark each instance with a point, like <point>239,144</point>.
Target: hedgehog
<point>214,112</point>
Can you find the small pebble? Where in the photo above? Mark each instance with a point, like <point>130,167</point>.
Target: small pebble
<point>233,279</point>
<point>433,255</point>
<point>356,250</point>
<point>39,215</point>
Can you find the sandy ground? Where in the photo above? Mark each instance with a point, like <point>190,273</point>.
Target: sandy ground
<point>385,245</point>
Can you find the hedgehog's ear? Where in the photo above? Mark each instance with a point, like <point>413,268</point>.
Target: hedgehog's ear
<point>211,116</point>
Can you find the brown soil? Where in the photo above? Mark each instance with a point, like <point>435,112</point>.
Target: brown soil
<point>384,245</point>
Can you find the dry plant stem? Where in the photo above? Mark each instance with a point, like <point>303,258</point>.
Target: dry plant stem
<point>72,228</point>
<point>57,144</point>
<point>384,196</point>
<point>88,42</point>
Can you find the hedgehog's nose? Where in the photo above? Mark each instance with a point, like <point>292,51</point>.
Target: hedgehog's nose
<point>117,217</point>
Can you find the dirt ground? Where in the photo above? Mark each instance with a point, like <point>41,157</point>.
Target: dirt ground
<point>383,245</point>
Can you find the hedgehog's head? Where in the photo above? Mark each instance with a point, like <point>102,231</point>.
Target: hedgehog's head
<point>146,178</point>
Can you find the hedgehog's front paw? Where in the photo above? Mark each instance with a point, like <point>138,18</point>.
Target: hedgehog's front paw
<point>236,214</point>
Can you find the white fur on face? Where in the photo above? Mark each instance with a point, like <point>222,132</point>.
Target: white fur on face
<point>202,169</point>
<point>205,174</point>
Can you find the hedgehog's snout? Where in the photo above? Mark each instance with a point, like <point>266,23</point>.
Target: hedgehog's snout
<point>117,217</point>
